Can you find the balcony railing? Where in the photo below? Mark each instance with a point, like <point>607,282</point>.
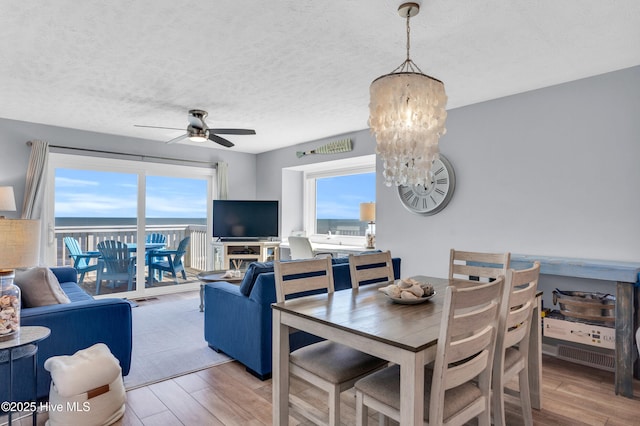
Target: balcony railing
<point>90,236</point>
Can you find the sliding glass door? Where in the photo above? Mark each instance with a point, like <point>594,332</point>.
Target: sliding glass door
<point>176,230</point>
<point>152,217</point>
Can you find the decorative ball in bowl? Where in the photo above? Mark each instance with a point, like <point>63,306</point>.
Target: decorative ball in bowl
<point>409,291</point>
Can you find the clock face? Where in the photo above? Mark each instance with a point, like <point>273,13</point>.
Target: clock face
<point>431,198</point>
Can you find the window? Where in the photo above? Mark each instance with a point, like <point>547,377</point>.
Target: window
<point>332,202</point>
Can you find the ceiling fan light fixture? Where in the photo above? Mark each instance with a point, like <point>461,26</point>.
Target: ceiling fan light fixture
<point>198,135</point>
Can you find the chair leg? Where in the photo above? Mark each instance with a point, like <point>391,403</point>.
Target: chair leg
<point>81,278</point>
<point>361,410</point>
<point>184,275</point>
<point>525,396</point>
<point>334,406</point>
<point>497,400</point>
<point>98,282</point>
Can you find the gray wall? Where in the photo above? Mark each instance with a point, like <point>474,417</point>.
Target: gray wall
<point>554,171</point>
<point>15,154</point>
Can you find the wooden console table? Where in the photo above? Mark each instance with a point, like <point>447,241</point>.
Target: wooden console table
<point>225,252</point>
<point>626,275</point>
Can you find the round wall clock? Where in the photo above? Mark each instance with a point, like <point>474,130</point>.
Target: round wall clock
<point>431,198</point>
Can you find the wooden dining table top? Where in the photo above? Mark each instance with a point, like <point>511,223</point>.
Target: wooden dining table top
<point>370,313</point>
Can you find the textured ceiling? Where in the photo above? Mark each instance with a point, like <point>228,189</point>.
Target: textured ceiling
<point>293,70</point>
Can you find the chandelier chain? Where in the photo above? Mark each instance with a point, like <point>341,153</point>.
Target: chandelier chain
<point>408,37</point>
<point>408,65</point>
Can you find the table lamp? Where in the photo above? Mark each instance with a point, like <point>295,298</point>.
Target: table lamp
<point>7,200</point>
<point>19,243</point>
<point>368,214</point>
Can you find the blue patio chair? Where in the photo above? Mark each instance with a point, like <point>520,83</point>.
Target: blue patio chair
<point>155,238</point>
<point>81,260</point>
<point>116,264</point>
<point>169,261</point>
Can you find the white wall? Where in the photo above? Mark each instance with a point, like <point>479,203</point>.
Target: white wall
<point>15,154</point>
<point>554,171</point>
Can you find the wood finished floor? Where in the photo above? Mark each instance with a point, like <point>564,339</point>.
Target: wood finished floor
<point>227,395</point>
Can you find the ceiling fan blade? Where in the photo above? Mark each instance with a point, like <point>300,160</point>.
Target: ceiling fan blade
<point>221,141</point>
<point>234,131</point>
<point>178,139</point>
<point>158,127</point>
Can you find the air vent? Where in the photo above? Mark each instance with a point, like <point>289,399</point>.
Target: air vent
<point>586,357</point>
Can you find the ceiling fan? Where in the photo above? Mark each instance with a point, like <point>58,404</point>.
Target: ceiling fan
<point>198,131</point>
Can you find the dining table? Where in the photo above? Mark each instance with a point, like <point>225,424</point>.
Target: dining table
<point>366,319</point>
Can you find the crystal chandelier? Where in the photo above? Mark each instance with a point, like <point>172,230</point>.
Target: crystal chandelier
<point>407,116</point>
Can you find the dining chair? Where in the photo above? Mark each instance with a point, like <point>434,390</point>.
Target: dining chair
<point>169,261</point>
<point>478,266</point>
<point>116,264</point>
<point>370,268</point>
<point>457,386</point>
<point>81,260</point>
<point>512,346</point>
<point>301,248</point>
<point>327,365</point>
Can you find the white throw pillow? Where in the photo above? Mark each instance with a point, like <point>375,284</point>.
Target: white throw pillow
<point>39,287</point>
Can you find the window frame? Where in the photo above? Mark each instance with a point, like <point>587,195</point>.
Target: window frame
<point>142,169</point>
<point>309,211</point>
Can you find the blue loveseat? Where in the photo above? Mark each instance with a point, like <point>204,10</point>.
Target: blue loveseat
<point>237,319</point>
<point>74,326</point>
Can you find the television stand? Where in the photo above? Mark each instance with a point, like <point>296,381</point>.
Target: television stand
<point>243,252</point>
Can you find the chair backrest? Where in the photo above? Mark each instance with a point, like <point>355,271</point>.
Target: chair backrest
<point>182,249</point>
<point>517,307</point>
<point>466,343</point>
<point>74,250</point>
<point>466,265</point>
<point>302,275</point>
<point>115,255</point>
<point>156,238</point>
<point>72,245</point>
<point>300,248</point>
<point>370,268</point>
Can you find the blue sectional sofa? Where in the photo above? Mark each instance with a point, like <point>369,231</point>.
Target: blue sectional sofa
<point>237,319</point>
<point>74,326</point>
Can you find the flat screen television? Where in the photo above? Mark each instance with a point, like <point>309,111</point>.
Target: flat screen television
<point>245,219</point>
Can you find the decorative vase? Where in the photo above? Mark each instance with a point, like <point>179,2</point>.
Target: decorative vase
<point>9,307</point>
<point>371,241</point>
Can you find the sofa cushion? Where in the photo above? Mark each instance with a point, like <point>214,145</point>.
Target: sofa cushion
<point>39,287</point>
<point>254,269</point>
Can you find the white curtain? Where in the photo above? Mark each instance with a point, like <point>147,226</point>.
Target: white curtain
<point>223,181</point>
<point>34,190</point>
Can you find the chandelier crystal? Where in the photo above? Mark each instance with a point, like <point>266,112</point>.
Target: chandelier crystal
<point>407,114</point>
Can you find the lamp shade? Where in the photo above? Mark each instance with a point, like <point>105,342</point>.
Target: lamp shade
<point>19,243</point>
<point>7,199</point>
<point>368,212</point>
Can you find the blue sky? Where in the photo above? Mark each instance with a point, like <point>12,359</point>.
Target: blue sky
<point>340,197</point>
<point>86,193</point>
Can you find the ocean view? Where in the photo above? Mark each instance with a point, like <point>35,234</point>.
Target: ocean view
<point>124,221</point>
